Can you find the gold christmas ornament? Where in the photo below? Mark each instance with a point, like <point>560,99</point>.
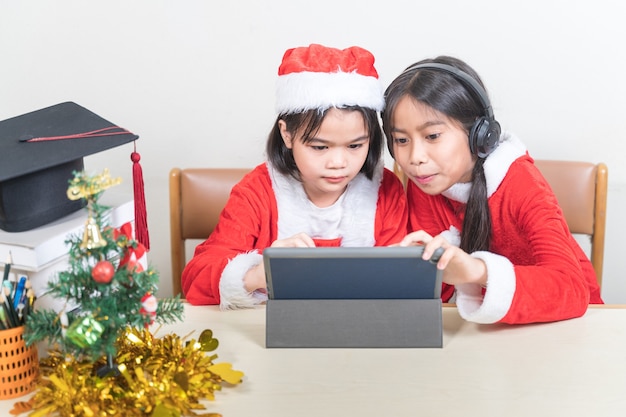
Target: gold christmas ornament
<point>92,237</point>
<point>87,187</point>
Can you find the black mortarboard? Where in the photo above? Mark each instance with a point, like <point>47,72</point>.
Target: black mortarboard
<point>39,151</point>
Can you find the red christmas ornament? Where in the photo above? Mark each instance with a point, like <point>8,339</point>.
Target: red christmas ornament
<point>103,272</point>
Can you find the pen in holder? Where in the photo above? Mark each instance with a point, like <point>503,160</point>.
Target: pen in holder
<point>16,299</point>
<point>19,365</point>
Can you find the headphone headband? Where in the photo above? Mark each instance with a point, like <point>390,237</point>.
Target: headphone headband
<point>467,80</point>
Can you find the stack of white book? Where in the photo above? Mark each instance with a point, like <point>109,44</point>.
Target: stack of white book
<point>42,252</point>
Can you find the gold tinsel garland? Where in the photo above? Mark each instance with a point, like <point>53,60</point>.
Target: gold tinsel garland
<point>156,377</point>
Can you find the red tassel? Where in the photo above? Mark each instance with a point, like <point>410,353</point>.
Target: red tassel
<point>141,217</point>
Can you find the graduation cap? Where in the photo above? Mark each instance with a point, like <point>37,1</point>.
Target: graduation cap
<point>39,151</point>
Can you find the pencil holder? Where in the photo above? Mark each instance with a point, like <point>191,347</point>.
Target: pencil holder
<point>19,365</point>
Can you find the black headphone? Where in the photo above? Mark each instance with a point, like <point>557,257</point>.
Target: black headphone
<point>484,136</point>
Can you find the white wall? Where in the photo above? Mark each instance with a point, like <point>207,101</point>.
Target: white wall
<point>195,78</point>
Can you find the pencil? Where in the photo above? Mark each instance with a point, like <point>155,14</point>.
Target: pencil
<point>3,319</point>
<point>7,318</point>
<point>7,267</point>
<point>28,304</point>
<point>8,304</point>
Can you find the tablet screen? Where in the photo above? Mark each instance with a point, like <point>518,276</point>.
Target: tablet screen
<point>350,273</point>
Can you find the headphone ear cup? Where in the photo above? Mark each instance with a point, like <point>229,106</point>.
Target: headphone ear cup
<point>484,137</point>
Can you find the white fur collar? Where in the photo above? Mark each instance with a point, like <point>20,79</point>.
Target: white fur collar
<point>496,166</point>
<point>359,202</point>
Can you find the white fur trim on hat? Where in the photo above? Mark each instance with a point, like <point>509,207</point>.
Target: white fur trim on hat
<point>302,91</point>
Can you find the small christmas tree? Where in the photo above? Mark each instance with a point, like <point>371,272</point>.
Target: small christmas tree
<point>106,289</point>
<point>103,358</point>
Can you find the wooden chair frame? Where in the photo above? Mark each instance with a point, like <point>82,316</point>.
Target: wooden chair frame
<point>197,197</point>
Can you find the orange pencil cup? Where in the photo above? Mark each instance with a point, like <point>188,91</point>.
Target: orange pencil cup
<point>19,365</point>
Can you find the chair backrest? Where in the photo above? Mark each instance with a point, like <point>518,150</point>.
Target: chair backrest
<point>581,190</point>
<point>197,197</point>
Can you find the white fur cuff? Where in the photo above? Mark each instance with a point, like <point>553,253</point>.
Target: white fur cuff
<point>499,294</point>
<point>232,293</point>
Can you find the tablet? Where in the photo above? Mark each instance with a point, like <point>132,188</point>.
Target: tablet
<point>351,273</point>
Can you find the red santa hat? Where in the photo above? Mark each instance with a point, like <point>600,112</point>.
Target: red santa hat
<point>319,77</point>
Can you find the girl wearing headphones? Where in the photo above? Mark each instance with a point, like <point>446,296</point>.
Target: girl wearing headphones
<point>474,191</point>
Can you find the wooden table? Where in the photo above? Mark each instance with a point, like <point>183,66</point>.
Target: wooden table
<point>569,368</point>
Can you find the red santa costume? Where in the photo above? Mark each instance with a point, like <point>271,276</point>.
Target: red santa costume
<point>536,270</point>
<point>268,205</point>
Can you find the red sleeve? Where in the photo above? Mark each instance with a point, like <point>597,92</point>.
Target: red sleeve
<point>248,222</point>
<point>558,282</point>
<point>552,277</point>
<point>391,211</point>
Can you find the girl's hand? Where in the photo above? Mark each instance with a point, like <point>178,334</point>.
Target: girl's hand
<point>458,266</point>
<point>301,240</point>
<point>255,277</point>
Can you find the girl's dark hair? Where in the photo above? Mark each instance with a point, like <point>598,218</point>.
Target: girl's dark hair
<point>308,123</point>
<point>448,95</point>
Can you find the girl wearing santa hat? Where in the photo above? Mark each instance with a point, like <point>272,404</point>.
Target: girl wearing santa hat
<point>324,183</point>
<point>475,191</point>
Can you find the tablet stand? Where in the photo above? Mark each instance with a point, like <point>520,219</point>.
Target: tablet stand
<point>354,323</point>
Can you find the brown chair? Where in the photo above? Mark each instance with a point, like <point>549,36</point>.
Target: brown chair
<point>581,189</point>
<point>197,197</point>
